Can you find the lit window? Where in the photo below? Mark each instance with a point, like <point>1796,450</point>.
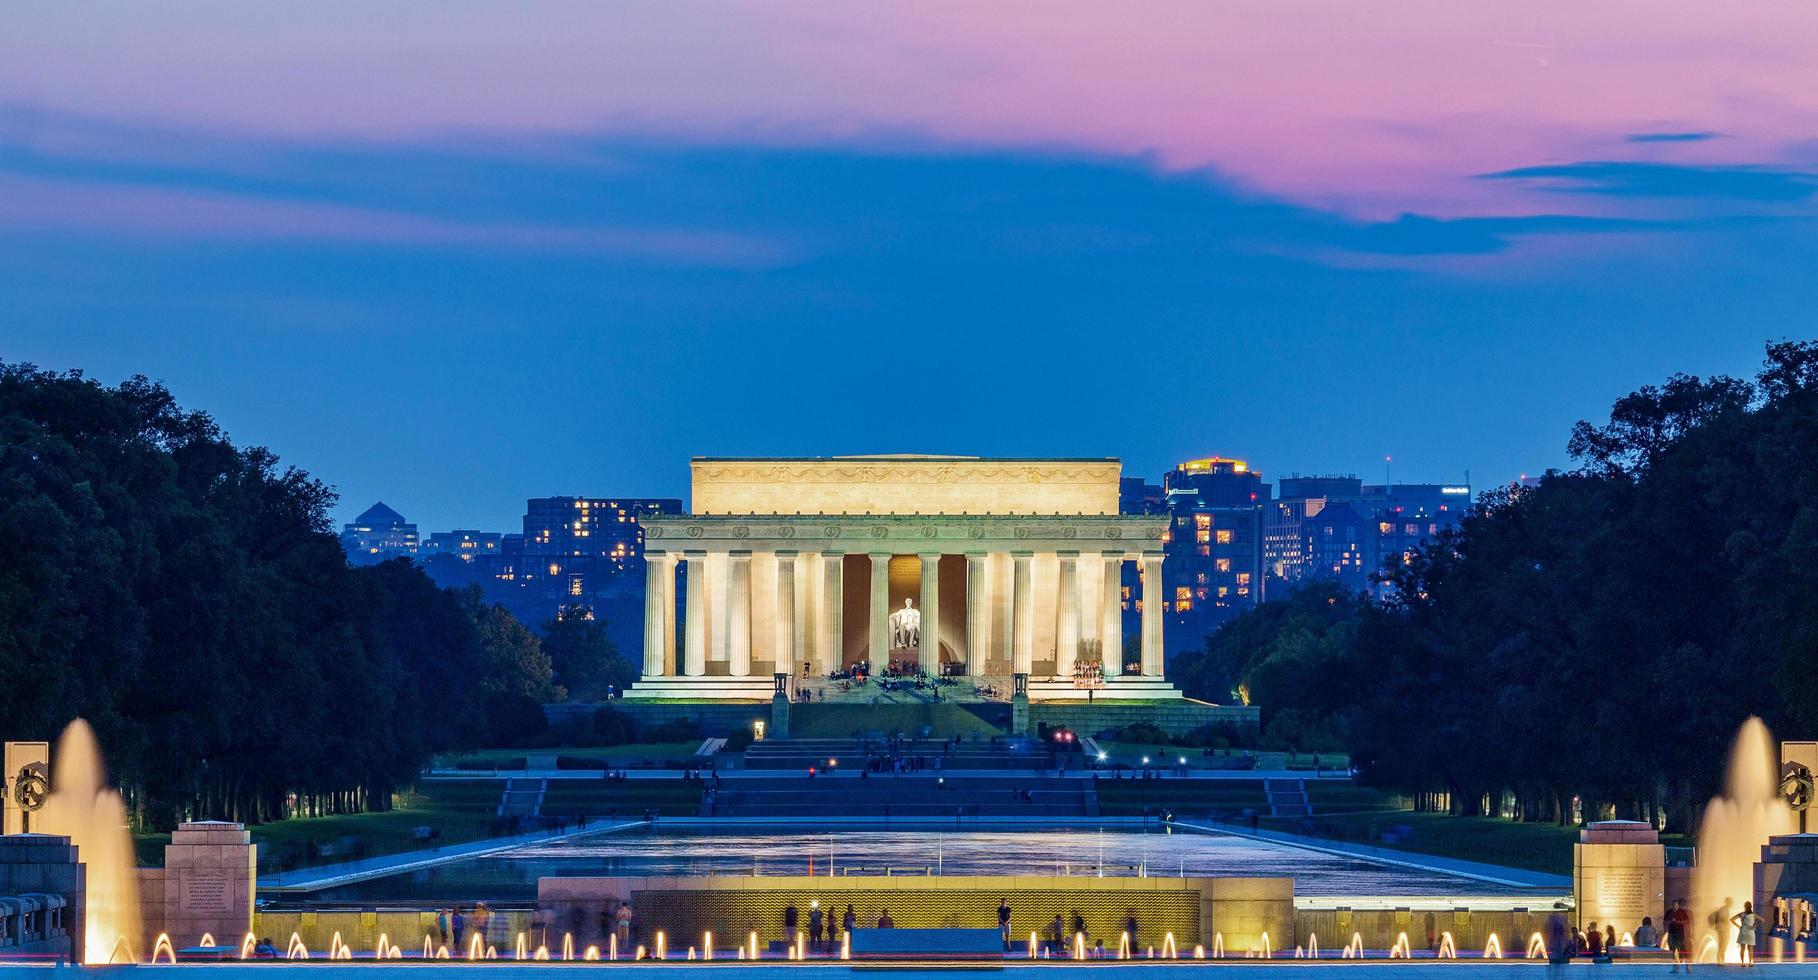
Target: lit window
<point>1412,529</point>
<point>1202,520</point>
<point>1243,578</point>
<point>1182,592</point>
<point>1223,591</point>
<point>1385,528</point>
<point>1202,535</point>
<point>555,569</point>
<point>1224,564</point>
<point>1205,550</point>
<point>1224,537</point>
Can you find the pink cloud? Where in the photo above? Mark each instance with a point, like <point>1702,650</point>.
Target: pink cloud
<point>1368,107</point>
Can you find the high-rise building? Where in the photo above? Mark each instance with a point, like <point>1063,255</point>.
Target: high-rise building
<point>1339,528</point>
<point>465,545</point>
<point>578,544</point>
<point>379,534</point>
<point>1213,569</point>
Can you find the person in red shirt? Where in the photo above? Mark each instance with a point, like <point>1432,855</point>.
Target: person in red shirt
<point>1679,935</point>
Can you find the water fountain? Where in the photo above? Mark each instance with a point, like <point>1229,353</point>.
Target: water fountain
<point>1735,827</point>
<point>91,814</point>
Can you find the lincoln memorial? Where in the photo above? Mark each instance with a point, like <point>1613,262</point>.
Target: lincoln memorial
<point>998,572</point>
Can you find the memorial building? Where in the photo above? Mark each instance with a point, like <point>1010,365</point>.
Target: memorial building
<point>999,573</point>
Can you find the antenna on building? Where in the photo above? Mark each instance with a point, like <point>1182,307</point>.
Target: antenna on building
<point>1386,482</point>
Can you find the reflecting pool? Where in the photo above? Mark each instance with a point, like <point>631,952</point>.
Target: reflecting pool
<point>511,876</point>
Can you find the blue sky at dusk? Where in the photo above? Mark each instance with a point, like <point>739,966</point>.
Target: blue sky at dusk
<point>458,261</point>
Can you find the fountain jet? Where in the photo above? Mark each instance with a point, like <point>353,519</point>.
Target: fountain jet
<point>1735,827</point>
<point>91,814</point>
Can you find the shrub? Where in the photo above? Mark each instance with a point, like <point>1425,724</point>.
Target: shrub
<point>674,730</point>
<point>613,727</point>
<point>1143,731</point>
<point>738,741</point>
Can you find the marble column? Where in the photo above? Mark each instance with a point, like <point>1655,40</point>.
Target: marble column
<point>931,614</point>
<point>1003,611</point>
<point>833,610</point>
<point>801,650</point>
<point>1066,626</point>
<point>656,568</point>
<point>1111,616</point>
<point>738,614</point>
<point>695,652</point>
<point>1022,650</point>
<point>668,653</point>
<point>785,612</point>
<point>976,610</point>
<point>880,610</point>
<point>1155,607</point>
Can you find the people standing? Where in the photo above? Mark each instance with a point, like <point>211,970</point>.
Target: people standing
<point>1559,946</point>
<point>457,928</point>
<point>1003,921</point>
<point>792,919</point>
<point>621,926</point>
<point>1746,922</point>
<point>1679,935</point>
<point>815,922</point>
<point>848,921</point>
<point>885,921</point>
<point>1057,933</point>
<point>1130,930</point>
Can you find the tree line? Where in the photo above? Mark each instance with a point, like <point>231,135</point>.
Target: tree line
<point>1597,637</point>
<point>189,599</point>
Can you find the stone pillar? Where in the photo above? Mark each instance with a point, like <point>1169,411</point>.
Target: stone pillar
<point>880,610</point>
<point>833,611</point>
<point>976,637</point>
<point>656,566</point>
<point>210,867</point>
<point>1619,875</point>
<point>1155,607</point>
<point>694,653</point>
<point>738,614</point>
<point>668,616</point>
<point>1003,611</point>
<point>931,614</point>
<point>802,650</point>
<point>1022,651</point>
<point>785,612</point>
<point>1066,626</point>
<point>1111,615</point>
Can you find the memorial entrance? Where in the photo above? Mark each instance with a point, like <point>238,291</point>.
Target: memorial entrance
<point>946,566</point>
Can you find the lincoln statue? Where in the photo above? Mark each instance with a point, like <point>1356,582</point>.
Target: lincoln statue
<point>906,627</point>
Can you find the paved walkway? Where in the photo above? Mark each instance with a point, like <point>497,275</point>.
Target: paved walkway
<point>346,873</point>
<point>1494,873</point>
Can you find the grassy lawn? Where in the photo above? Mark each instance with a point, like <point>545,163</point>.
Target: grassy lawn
<point>846,720</point>
<point>1533,846</point>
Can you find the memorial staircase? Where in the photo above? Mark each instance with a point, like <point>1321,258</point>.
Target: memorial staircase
<point>920,795</point>
<point>938,756</point>
<point>1287,798</point>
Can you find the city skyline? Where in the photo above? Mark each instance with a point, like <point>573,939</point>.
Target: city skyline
<point>487,254</point>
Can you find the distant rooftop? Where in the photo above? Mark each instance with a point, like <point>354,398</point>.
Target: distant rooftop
<point>379,515</point>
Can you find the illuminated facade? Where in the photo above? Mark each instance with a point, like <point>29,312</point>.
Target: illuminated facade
<point>795,565</point>
<point>1214,546</point>
<point>1338,528</point>
<point>379,534</point>
<point>465,545</point>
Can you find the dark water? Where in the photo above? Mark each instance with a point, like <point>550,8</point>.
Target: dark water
<point>512,875</point>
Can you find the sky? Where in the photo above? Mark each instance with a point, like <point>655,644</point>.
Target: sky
<point>455,254</point>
